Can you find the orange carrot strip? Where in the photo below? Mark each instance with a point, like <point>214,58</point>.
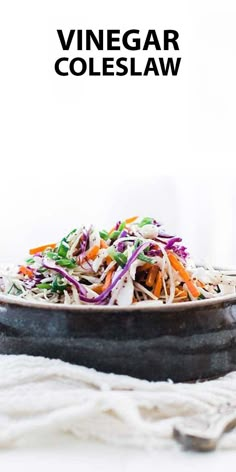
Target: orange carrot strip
<point>92,253</point>
<point>151,276</point>
<point>41,248</point>
<point>98,289</point>
<point>194,291</point>
<point>131,220</point>
<point>158,285</point>
<point>180,293</point>
<point>103,244</point>
<point>24,270</point>
<point>108,279</point>
<point>108,260</point>
<point>178,266</point>
<point>177,291</point>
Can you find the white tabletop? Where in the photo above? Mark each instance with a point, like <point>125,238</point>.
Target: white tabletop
<point>62,453</point>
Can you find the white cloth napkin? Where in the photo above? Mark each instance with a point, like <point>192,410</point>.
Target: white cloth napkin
<point>39,395</point>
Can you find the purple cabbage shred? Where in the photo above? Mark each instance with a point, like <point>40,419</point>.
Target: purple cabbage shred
<point>121,246</point>
<point>172,241</point>
<point>117,225</point>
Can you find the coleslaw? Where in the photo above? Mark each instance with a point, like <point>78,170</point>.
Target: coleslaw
<point>135,262</point>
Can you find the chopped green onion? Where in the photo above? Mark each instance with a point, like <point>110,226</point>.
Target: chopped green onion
<point>68,235</point>
<point>70,263</point>
<point>144,258</point>
<point>201,297</point>
<point>115,234</point>
<point>58,285</point>
<point>44,286</point>
<point>63,248</point>
<point>146,221</point>
<point>120,258</point>
<point>30,261</point>
<point>137,243</point>
<point>52,255</point>
<point>104,235</point>
<point>122,226</point>
<point>62,261</point>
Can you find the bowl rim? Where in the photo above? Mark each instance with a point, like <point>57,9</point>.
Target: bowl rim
<point>180,306</point>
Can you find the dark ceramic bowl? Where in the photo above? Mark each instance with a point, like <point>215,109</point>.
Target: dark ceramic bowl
<point>182,342</point>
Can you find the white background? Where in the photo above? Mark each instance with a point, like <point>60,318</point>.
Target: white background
<point>67,454</point>
<point>99,149</point>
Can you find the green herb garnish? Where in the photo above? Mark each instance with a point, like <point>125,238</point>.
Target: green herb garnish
<point>144,258</point>
<point>58,285</point>
<point>146,221</point>
<point>69,263</point>
<point>104,235</point>
<point>63,248</point>
<point>44,286</point>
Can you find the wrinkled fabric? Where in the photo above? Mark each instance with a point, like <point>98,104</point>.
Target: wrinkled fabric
<point>39,395</point>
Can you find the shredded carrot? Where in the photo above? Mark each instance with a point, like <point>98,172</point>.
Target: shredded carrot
<point>131,220</point>
<point>108,260</point>
<point>108,279</point>
<point>177,291</point>
<point>98,289</point>
<point>92,253</point>
<point>103,244</point>
<point>151,276</point>
<point>158,285</point>
<point>178,266</point>
<point>41,248</point>
<point>180,293</point>
<point>194,291</point>
<point>24,270</point>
